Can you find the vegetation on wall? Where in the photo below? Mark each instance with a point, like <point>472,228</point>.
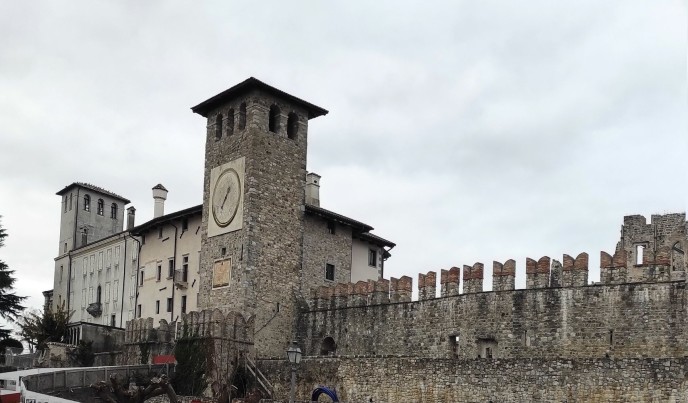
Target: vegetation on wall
<point>82,355</point>
<point>194,358</point>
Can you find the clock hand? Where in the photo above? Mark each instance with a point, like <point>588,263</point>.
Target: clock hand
<point>225,199</point>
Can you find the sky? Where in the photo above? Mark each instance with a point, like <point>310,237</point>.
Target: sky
<point>463,131</point>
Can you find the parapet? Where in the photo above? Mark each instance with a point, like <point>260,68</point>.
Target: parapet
<point>362,293</point>
<point>575,271</point>
<point>537,273</point>
<point>427,285</point>
<point>473,278</point>
<point>503,275</point>
<point>449,282</point>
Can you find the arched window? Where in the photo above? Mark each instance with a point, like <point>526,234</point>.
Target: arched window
<point>113,211</point>
<point>87,203</point>
<point>98,295</point>
<point>292,125</point>
<point>230,122</point>
<point>274,121</point>
<point>242,116</point>
<point>328,346</point>
<point>101,207</point>
<point>84,237</point>
<point>218,126</point>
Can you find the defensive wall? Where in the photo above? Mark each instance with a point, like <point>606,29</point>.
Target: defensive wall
<point>405,379</point>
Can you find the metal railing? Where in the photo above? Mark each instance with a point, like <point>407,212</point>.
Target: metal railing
<point>83,377</point>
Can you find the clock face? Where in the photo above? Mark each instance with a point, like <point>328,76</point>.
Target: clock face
<point>226,197</point>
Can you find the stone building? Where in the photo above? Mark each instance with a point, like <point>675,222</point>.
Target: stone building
<point>274,266</point>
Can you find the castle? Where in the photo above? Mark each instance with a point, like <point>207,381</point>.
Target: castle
<point>273,266</point>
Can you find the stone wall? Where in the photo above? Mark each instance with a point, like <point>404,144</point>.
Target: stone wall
<point>395,379</point>
<point>626,320</point>
<point>321,247</point>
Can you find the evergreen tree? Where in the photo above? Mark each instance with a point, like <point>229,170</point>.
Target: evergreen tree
<point>10,303</point>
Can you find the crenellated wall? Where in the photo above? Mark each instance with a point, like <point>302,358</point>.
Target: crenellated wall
<point>625,320</point>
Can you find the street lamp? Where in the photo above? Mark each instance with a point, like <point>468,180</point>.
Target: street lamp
<point>294,357</point>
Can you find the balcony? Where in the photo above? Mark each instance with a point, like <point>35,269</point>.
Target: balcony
<point>95,309</point>
<point>181,278</point>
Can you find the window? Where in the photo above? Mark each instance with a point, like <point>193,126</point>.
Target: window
<point>372,257</point>
<point>639,251</point>
<point>101,261</point>
<point>141,278</point>
<point>274,120</point>
<point>117,252</point>
<point>61,272</point>
<point>329,272</point>
<point>108,259</point>
<point>70,201</point>
<point>488,352</point>
<point>83,298</point>
<point>159,272</point>
<point>98,294</point>
<point>331,226</point>
<point>157,307</point>
<point>93,264</point>
<point>169,304</point>
<point>242,116</point>
<point>170,268</point>
<point>454,345</point>
<point>113,320</point>
<point>65,203</point>
<point>87,203</point>
<point>183,303</point>
<point>65,248</point>
<point>218,126</point>
<point>84,268</point>
<point>113,210</point>
<point>611,337</point>
<point>185,268</point>
<point>230,122</point>
<point>159,232</point>
<point>185,224</point>
<point>143,239</point>
<point>101,207</point>
<point>292,125</point>
<point>84,236</point>
<point>115,290</point>
<point>138,311</point>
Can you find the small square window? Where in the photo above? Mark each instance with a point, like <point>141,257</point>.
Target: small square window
<point>159,272</point>
<point>329,272</point>
<point>169,304</point>
<point>183,303</point>
<point>157,307</point>
<point>170,268</point>
<point>331,227</point>
<point>185,224</point>
<point>160,232</point>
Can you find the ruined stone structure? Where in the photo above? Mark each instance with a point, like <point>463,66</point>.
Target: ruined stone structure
<point>261,285</point>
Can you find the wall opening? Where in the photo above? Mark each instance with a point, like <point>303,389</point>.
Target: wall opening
<point>639,251</point>
<point>328,346</point>
<point>454,345</point>
<point>292,125</point>
<point>487,348</point>
<point>611,337</point>
<point>274,120</point>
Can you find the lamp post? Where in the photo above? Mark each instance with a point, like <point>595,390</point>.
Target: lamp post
<point>294,357</point>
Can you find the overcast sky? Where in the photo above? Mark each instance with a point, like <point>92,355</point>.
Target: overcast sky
<point>463,131</point>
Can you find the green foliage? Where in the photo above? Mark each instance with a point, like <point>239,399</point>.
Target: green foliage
<point>83,355</point>
<point>193,355</point>
<point>9,342</point>
<point>39,328</point>
<point>10,303</point>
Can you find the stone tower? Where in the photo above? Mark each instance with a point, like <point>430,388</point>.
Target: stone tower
<point>88,213</point>
<point>253,201</point>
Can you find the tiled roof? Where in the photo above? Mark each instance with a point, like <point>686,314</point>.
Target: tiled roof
<point>93,188</point>
<point>367,236</point>
<point>167,217</point>
<point>331,215</point>
<point>249,84</point>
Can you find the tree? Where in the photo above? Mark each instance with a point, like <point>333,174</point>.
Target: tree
<point>10,303</point>
<point>38,328</point>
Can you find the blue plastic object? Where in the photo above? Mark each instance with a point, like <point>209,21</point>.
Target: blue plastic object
<point>320,390</point>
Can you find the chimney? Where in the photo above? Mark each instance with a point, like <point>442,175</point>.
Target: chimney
<point>159,197</point>
<point>131,212</point>
<point>313,189</point>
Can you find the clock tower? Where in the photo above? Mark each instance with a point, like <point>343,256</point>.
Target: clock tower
<point>253,203</point>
